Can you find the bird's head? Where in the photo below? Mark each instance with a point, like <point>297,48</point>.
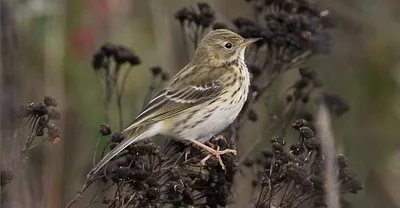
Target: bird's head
<point>220,46</point>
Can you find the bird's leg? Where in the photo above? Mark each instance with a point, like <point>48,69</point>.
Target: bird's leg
<point>218,156</point>
<point>217,153</point>
<point>208,143</point>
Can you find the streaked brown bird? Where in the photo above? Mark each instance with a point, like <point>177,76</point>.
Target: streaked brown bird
<point>200,101</point>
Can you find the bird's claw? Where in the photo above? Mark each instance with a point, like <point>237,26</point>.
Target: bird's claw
<point>217,153</point>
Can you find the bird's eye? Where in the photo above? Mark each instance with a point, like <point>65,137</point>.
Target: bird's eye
<point>228,45</point>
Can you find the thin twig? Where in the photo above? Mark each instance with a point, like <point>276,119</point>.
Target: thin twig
<point>95,150</point>
<point>107,101</point>
<point>42,141</point>
<point>150,91</point>
<point>119,92</point>
<point>32,137</point>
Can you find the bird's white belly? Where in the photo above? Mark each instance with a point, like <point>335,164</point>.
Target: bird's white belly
<point>218,120</point>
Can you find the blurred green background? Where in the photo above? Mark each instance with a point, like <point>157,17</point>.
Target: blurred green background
<point>47,46</point>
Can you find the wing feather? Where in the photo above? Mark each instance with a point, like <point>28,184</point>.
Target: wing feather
<point>178,96</point>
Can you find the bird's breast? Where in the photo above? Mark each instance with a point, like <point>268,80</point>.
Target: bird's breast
<point>217,114</point>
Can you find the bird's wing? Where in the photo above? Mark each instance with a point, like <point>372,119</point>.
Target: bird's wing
<point>188,88</point>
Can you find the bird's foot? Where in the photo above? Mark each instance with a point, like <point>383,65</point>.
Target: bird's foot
<point>217,153</point>
<point>213,152</point>
<point>208,143</point>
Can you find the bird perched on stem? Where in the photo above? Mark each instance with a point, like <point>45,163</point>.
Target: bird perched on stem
<point>200,101</point>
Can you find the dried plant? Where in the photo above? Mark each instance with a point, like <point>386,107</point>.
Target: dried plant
<point>294,176</point>
<point>36,128</point>
<point>151,175</point>
<point>108,62</point>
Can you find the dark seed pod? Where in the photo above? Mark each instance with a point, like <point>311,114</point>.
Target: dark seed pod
<point>183,14</point>
<point>50,101</point>
<point>156,70</point>
<point>117,137</point>
<point>188,198</point>
<point>98,60</point>
<point>252,115</point>
<point>278,140</point>
<point>152,193</point>
<point>164,76</point>
<point>299,123</point>
<point>306,132</point>
<point>38,109</point>
<point>125,55</point>
<point>53,113</point>
<point>105,129</point>
<point>108,49</point>
<point>53,131</point>
<point>342,161</point>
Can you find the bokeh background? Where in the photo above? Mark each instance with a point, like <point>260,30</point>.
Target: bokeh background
<point>47,47</point>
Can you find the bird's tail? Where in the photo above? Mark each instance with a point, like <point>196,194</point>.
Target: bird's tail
<point>133,136</point>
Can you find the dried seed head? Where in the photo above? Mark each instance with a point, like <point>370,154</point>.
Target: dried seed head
<point>306,132</point>
<point>53,131</point>
<point>342,161</point>
<point>164,76</point>
<point>206,16</point>
<point>124,55</point>
<point>300,123</point>
<point>105,130</point>
<point>156,70</point>
<point>50,101</point>
<point>117,137</point>
<point>183,14</point>
<point>108,49</point>
<point>53,113</point>
<point>38,109</point>
<point>98,60</point>
<point>152,193</point>
<point>252,115</point>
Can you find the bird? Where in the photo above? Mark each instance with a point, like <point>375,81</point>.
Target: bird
<point>200,101</point>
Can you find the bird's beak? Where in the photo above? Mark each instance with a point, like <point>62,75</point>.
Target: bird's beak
<point>249,41</point>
